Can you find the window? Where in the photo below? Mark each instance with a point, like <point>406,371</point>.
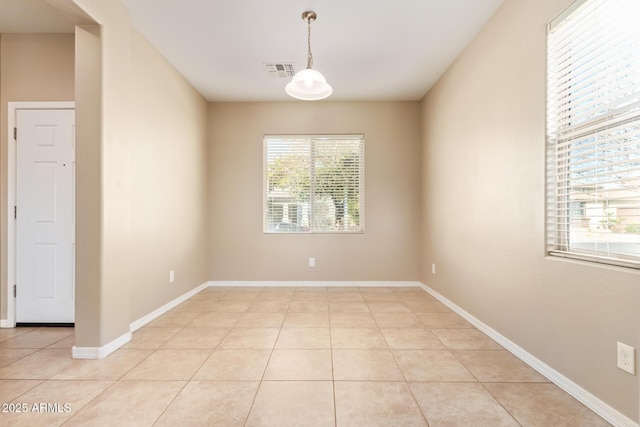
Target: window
<point>593,132</point>
<point>313,184</point>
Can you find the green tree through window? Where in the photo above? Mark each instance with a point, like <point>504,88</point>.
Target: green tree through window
<point>313,184</point>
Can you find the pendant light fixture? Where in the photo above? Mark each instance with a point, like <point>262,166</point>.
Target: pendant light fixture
<point>309,84</point>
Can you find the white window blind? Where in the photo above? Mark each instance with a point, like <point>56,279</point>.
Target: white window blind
<point>313,184</point>
<point>593,132</point>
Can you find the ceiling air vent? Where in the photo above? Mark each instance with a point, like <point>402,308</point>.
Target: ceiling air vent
<point>279,70</point>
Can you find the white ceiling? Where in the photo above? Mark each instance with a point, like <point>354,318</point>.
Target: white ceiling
<point>368,50</point>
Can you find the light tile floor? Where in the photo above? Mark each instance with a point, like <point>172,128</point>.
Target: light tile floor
<point>280,357</point>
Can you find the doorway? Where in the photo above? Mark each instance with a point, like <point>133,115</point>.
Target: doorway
<point>42,176</point>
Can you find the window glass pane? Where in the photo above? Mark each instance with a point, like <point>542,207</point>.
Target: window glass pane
<point>593,135</point>
<point>313,184</point>
<point>337,185</point>
<point>288,182</point>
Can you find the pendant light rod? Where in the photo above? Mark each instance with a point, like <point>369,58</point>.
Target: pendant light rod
<point>309,17</point>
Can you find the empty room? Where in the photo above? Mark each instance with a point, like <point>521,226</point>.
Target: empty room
<point>320,213</point>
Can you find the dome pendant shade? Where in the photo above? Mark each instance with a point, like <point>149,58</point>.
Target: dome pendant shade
<point>308,85</point>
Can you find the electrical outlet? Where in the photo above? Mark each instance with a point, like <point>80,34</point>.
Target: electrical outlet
<point>433,269</point>
<point>312,262</point>
<point>627,358</point>
<point>171,276</point>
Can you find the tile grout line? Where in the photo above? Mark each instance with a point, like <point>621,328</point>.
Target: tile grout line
<point>415,399</point>
<point>35,350</point>
<point>333,374</point>
<point>500,403</point>
<point>121,378</point>
<point>457,354</point>
<point>255,396</point>
<point>188,381</point>
<point>406,383</point>
<point>113,383</point>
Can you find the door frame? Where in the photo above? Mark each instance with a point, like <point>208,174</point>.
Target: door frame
<point>13,107</point>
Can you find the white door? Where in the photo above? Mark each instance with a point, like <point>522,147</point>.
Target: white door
<point>45,240</point>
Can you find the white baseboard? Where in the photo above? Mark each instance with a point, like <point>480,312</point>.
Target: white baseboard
<point>100,352</point>
<point>598,406</point>
<point>134,326</point>
<point>314,283</point>
<point>104,351</point>
<point>6,323</point>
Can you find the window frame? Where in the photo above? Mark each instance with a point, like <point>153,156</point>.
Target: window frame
<point>561,198</point>
<point>311,139</point>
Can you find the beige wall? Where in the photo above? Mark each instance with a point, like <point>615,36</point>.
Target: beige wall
<point>33,67</point>
<point>141,165</point>
<point>88,184</point>
<point>169,210</point>
<point>388,250</point>
<point>152,182</point>
<point>477,148</point>
<point>483,153</point>
<point>103,284</point>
